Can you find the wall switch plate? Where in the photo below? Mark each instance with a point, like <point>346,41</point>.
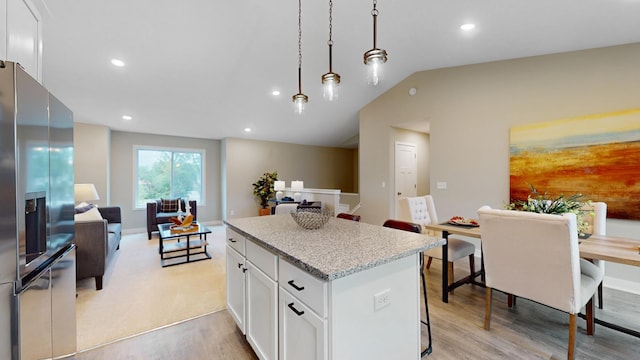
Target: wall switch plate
<point>381,299</point>
<point>441,185</point>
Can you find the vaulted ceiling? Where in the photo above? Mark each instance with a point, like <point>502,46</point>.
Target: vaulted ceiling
<point>207,69</point>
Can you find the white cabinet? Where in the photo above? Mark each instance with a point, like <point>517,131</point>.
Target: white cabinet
<point>262,313</point>
<point>291,314</point>
<point>23,34</point>
<point>252,293</point>
<point>235,286</point>
<point>303,314</point>
<point>236,270</point>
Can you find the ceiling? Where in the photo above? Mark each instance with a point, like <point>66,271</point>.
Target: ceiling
<point>206,69</point>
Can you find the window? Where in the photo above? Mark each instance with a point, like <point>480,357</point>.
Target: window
<point>169,174</point>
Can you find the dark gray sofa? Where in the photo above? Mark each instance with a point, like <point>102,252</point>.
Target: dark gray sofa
<point>97,241</point>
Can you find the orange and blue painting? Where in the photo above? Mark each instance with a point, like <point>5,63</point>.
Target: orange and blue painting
<point>597,156</point>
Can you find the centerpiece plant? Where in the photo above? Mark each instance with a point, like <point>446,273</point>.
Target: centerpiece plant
<point>542,203</point>
<point>263,188</point>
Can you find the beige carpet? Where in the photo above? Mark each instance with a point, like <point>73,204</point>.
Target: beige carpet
<point>139,295</point>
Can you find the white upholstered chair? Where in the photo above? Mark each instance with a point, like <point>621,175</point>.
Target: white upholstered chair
<point>285,209</point>
<point>596,217</point>
<point>422,210</point>
<point>536,256</point>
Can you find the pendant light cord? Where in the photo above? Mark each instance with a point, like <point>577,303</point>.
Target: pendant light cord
<point>330,42</point>
<point>374,13</point>
<point>299,46</point>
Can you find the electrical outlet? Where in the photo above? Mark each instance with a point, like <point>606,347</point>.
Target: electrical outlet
<point>381,299</point>
<point>232,212</point>
<point>441,185</point>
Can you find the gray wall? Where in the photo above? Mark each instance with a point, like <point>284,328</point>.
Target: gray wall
<point>92,144</point>
<point>470,110</point>
<point>246,160</point>
<point>105,158</point>
<point>122,174</point>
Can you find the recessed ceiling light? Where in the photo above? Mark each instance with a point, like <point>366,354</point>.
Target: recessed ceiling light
<point>468,26</point>
<point>127,117</point>
<point>247,129</point>
<point>117,62</point>
<point>275,93</point>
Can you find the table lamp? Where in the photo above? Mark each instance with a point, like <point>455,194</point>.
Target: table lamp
<point>278,186</point>
<point>296,187</point>
<point>85,192</point>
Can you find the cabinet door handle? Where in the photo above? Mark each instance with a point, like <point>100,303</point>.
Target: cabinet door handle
<point>299,313</point>
<point>299,288</point>
<point>244,270</point>
<point>231,240</point>
<point>239,265</point>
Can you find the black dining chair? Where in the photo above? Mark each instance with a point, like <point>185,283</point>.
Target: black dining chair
<point>348,216</point>
<point>416,228</point>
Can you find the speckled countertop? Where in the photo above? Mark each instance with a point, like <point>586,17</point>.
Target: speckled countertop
<point>340,248</point>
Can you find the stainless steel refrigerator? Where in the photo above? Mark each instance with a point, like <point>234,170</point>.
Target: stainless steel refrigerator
<point>37,254</point>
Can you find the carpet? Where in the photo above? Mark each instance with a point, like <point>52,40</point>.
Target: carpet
<point>140,295</point>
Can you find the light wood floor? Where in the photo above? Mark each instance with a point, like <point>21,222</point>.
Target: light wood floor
<point>527,331</point>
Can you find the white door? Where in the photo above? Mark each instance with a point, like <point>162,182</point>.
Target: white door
<point>303,334</point>
<point>406,169</point>
<point>262,313</point>
<point>235,287</point>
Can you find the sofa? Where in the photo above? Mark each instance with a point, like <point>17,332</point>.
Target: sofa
<point>156,216</point>
<point>96,242</point>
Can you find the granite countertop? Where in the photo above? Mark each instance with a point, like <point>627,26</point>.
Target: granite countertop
<point>340,248</point>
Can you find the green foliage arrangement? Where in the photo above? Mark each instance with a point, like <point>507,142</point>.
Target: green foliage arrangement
<point>543,204</point>
<point>263,188</point>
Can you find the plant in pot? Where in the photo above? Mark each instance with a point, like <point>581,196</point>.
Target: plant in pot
<point>263,188</point>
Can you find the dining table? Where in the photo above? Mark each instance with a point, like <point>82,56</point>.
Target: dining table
<point>616,249</point>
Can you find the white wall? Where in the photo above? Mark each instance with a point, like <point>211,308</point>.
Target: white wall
<point>470,110</point>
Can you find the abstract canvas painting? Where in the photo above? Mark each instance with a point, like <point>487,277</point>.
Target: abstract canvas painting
<point>597,156</point>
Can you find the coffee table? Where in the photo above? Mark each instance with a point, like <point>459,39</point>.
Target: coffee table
<point>171,247</point>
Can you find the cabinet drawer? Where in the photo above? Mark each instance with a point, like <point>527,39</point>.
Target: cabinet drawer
<point>263,259</point>
<point>236,241</point>
<point>307,288</point>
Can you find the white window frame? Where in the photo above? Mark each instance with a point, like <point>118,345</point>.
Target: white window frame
<point>136,148</point>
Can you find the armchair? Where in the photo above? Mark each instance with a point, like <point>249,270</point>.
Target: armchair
<point>543,249</point>
<point>156,216</point>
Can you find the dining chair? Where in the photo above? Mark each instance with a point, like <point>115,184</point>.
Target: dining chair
<point>348,216</point>
<point>416,228</point>
<point>596,216</point>
<point>422,210</point>
<point>543,249</point>
<point>285,209</point>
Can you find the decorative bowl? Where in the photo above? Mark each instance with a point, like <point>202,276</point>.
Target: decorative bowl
<point>311,219</point>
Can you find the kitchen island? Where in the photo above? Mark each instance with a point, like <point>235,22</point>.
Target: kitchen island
<point>348,290</point>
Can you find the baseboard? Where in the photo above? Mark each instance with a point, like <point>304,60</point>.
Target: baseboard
<point>622,285</point>
<point>144,229</point>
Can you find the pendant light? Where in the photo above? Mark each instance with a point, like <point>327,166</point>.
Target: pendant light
<point>299,99</point>
<point>375,58</point>
<point>330,80</point>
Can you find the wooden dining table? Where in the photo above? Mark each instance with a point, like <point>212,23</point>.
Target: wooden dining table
<point>617,249</point>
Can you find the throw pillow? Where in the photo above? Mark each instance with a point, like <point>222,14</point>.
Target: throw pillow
<point>89,215</point>
<point>83,208</point>
<point>169,205</point>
